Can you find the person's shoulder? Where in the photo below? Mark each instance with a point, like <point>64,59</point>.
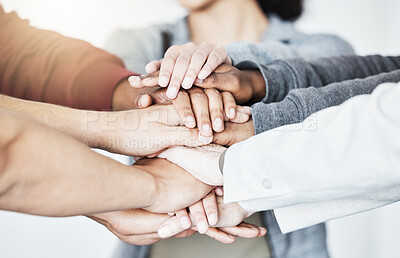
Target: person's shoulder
<point>336,45</point>
<point>134,37</point>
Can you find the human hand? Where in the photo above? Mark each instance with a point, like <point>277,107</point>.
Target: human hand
<point>174,188</point>
<point>245,85</point>
<point>141,132</point>
<point>139,227</point>
<point>126,97</point>
<point>234,133</point>
<point>229,215</point>
<point>183,64</point>
<point>202,162</point>
<point>209,108</point>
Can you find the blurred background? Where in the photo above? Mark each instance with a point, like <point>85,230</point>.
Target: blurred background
<point>371,26</point>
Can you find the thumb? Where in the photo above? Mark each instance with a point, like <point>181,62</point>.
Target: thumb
<point>200,162</point>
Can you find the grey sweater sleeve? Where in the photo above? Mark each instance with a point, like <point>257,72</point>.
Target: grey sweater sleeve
<point>299,45</point>
<point>284,75</point>
<point>301,103</point>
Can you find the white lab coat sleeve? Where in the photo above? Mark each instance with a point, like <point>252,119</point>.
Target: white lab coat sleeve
<point>352,152</point>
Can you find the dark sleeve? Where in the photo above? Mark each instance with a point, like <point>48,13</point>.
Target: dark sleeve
<point>46,66</point>
<point>301,103</point>
<point>284,75</point>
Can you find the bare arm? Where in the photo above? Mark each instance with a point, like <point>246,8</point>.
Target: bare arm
<point>134,132</point>
<point>45,172</point>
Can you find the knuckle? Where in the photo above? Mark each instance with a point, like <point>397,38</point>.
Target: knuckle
<point>213,92</point>
<point>183,60</point>
<point>199,55</point>
<point>215,58</point>
<point>216,111</point>
<point>191,73</point>
<point>172,50</point>
<point>190,45</point>
<point>198,95</point>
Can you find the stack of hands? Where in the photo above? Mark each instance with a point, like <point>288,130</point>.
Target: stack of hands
<point>179,141</point>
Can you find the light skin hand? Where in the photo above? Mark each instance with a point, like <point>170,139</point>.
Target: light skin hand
<point>234,133</point>
<point>231,214</point>
<point>175,188</point>
<point>139,227</point>
<point>182,65</point>
<point>208,108</point>
<point>202,162</point>
<point>246,86</point>
<point>139,132</point>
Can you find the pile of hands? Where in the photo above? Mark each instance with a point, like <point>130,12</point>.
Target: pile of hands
<point>179,118</point>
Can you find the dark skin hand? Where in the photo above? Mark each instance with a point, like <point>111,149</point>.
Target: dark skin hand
<point>247,86</point>
<point>234,133</point>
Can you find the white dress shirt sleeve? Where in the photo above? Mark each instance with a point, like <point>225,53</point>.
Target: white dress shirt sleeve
<point>351,152</point>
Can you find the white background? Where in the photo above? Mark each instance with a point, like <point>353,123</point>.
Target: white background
<point>372,26</point>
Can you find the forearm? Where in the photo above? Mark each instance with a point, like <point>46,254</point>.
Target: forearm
<point>46,66</point>
<point>284,75</point>
<point>301,103</point>
<point>47,173</point>
<point>351,151</point>
<point>94,128</point>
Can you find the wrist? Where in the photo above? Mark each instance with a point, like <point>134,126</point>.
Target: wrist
<point>101,129</point>
<point>123,96</point>
<point>256,83</point>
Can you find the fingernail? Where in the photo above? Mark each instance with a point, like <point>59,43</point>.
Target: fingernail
<point>202,227</point>
<point>187,83</point>
<point>164,232</point>
<point>232,113</point>
<point>134,80</point>
<point>185,223</point>
<point>163,81</point>
<point>207,128</point>
<point>212,219</point>
<point>147,80</point>
<point>190,121</point>
<point>202,75</point>
<point>218,123</point>
<point>219,191</point>
<point>172,92</point>
<point>205,140</point>
<point>140,100</point>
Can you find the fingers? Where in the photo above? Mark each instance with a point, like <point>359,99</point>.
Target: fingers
<point>179,71</point>
<point>199,216</point>
<point>229,104</point>
<point>245,230</point>
<point>216,109</point>
<point>220,236</point>
<point>170,227</point>
<point>167,66</point>
<point>211,208</point>
<point>196,63</point>
<point>141,81</point>
<point>184,219</point>
<point>217,57</point>
<point>153,66</point>
<point>183,106</point>
<point>200,107</point>
<point>242,115</point>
